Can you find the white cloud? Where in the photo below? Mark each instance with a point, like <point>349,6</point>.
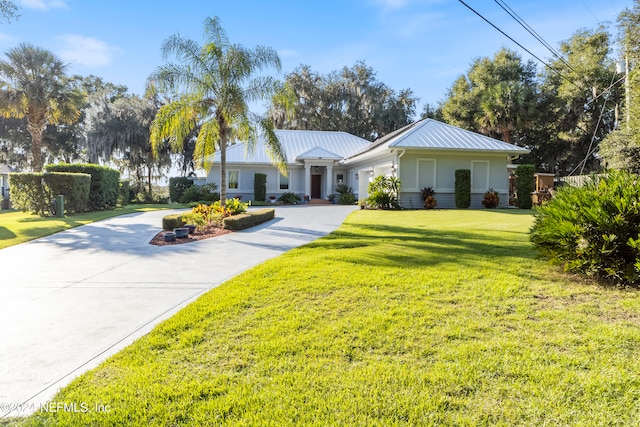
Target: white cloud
<point>86,51</point>
<point>44,4</point>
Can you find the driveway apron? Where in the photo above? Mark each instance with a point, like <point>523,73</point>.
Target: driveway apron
<point>70,300</point>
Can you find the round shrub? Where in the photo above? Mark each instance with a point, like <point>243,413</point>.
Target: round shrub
<point>594,229</point>
<point>491,199</point>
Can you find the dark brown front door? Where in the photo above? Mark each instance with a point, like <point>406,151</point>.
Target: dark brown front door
<point>316,186</point>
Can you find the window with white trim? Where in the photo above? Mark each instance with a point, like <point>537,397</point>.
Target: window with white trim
<point>233,179</point>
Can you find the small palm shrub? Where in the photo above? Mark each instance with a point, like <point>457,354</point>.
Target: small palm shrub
<point>383,192</point>
<point>289,198</point>
<point>428,197</point>
<point>345,194</point>
<point>491,199</point>
<point>594,229</point>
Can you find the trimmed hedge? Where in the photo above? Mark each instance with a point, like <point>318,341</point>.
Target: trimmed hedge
<point>463,188</point>
<point>34,192</point>
<point>260,187</point>
<point>248,219</point>
<point>177,187</point>
<point>525,184</point>
<point>104,190</point>
<point>28,192</point>
<point>169,222</point>
<point>74,187</point>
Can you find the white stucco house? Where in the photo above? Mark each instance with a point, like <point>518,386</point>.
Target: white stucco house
<point>424,154</point>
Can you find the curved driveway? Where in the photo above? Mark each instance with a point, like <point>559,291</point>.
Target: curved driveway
<point>70,300</point>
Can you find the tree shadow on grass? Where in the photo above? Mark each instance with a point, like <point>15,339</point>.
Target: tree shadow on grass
<point>6,234</point>
<point>395,246</point>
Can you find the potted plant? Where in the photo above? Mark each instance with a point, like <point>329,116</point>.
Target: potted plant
<point>428,197</point>
<point>491,199</point>
<point>272,198</point>
<point>332,198</point>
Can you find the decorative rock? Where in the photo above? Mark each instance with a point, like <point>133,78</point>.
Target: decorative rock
<point>169,236</point>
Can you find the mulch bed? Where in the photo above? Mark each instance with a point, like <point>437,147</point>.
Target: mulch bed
<point>208,233</point>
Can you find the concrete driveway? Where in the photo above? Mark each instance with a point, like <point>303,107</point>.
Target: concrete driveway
<point>70,300</point>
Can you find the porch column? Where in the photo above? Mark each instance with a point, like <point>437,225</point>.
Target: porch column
<point>307,179</point>
<point>329,179</point>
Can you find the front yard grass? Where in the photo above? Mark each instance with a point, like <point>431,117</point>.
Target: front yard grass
<point>19,227</point>
<point>397,318</point>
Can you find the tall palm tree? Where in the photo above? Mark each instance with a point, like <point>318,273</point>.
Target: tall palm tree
<point>33,84</point>
<point>214,84</point>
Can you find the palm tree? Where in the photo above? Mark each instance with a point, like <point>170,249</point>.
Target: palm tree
<point>34,85</point>
<point>214,84</point>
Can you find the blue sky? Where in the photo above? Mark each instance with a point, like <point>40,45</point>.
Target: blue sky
<point>423,45</point>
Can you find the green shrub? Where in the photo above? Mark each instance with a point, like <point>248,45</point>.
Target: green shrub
<point>260,187</point>
<point>169,222</point>
<point>28,192</point>
<point>383,192</point>
<point>525,184</point>
<point>200,193</point>
<point>124,193</point>
<point>105,187</point>
<point>249,219</point>
<point>463,188</point>
<point>289,198</point>
<point>594,229</point>
<point>345,194</point>
<point>177,187</point>
<point>74,187</point>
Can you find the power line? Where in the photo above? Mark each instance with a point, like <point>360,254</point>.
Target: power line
<point>521,46</point>
<point>533,32</point>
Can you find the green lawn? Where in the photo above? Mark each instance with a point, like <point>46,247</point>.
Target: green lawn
<point>19,227</point>
<point>397,318</point>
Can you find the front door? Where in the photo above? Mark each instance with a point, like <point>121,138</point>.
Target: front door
<point>316,186</point>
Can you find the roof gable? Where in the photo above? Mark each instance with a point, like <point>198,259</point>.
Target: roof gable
<point>319,153</point>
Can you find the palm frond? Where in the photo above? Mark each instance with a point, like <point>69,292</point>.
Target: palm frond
<point>174,121</point>
<point>207,143</point>
<point>275,150</point>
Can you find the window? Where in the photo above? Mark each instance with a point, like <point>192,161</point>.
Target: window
<point>339,178</point>
<point>284,182</point>
<point>233,178</point>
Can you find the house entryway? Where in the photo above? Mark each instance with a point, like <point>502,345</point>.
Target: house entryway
<point>316,186</point>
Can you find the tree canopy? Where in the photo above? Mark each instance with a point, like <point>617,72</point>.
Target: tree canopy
<point>350,100</point>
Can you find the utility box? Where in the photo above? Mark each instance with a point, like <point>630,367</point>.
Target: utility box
<point>60,206</point>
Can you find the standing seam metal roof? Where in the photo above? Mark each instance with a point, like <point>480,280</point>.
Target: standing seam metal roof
<point>436,135</point>
<point>299,142</point>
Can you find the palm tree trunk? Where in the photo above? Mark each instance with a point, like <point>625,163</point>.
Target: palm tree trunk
<point>36,122</point>
<point>223,170</point>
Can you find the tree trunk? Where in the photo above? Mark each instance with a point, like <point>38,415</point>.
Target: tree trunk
<point>149,167</point>
<point>222,125</point>
<point>36,122</point>
<point>223,171</point>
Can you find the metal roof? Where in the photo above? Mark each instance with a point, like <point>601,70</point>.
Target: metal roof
<point>300,144</point>
<point>433,134</point>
